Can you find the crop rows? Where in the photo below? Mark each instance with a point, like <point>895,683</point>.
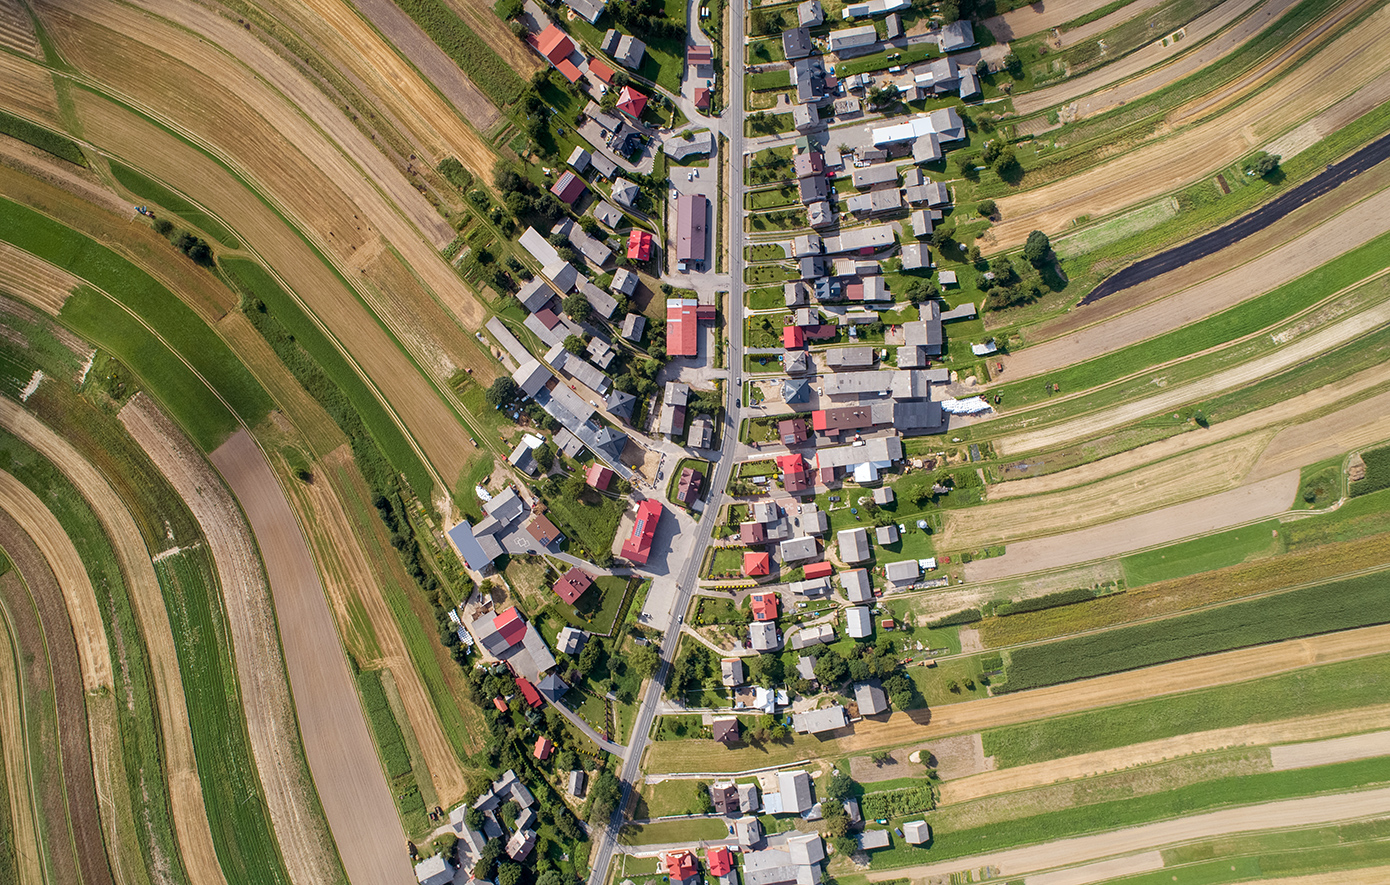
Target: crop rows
<point>1377,473</point>
<point>483,66</point>
<point>46,140</point>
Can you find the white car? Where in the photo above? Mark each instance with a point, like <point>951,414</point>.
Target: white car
<point>690,176</point>
<point>674,193</point>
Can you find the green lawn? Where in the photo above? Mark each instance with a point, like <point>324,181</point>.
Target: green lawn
<point>726,561</point>
<point>767,124</point>
<point>766,252</point>
<point>596,610</point>
<point>768,80</point>
<point>772,198</point>
<point>1320,485</point>
<point>1307,692</point>
<point>764,298</point>
<point>395,758</point>
<point>880,61</point>
<point>768,273</point>
<point>590,522</point>
<point>783,219</point>
<point>674,797</point>
<point>673,831</point>
<point>147,188</point>
<point>1204,554</point>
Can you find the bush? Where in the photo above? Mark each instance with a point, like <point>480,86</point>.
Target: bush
<point>1261,164</point>
<point>987,208</point>
<point>163,227</point>
<point>966,616</point>
<point>1037,249</point>
<point>1377,476</point>
<point>1038,603</point>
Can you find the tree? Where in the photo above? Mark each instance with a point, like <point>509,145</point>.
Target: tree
<point>1014,65</point>
<point>831,669</point>
<point>603,796</point>
<point>544,455</point>
<point>509,874</point>
<point>839,787</point>
<point>486,867</point>
<point>991,151</point>
<point>591,656</point>
<point>1037,249</point>
<point>508,8</point>
<point>941,236</point>
<point>987,208</point>
<point>502,391</point>
<point>766,670</point>
<point>883,97</point>
<point>836,820</point>
<point>1261,164</point>
<point>163,227</point>
<point>578,307</point>
<point>575,345</point>
<point>1006,164</point>
<point>644,660</point>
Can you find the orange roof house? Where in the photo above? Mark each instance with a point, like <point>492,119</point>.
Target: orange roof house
<point>601,69</point>
<point>566,67</point>
<point>793,337</point>
<point>819,570</point>
<point>702,97</point>
<point>639,245</point>
<point>511,625</point>
<point>598,476</point>
<point>682,327</point>
<point>755,564</point>
<point>638,547</point>
<point>573,584</point>
<point>764,606</point>
<point>680,865</point>
<point>528,691</point>
<point>793,467</point>
<point>719,860</point>
<point>543,749</point>
<point>554,44</point>
<point>631,102</point>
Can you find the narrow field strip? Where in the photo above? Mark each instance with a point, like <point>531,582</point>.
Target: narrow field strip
<point>1100,870</point>
<point>1326,752</point>
<point>21,824</point>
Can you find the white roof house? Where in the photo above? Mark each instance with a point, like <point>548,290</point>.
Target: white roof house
<point>917,832</point>
<point>795,789</point>
<point>856,585</point>
<point>763,635</point>
<point>806,848</point>
<point>870,698</point>
<point>903,572</point>
<point>859,624</point>
<point>434,870</point>
<point>817,721</point>
<point>854,545</point>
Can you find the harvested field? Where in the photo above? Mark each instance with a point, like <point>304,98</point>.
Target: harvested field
<point>60,595</point>
<point>1213,513</point>
<point>16,30</point>
<point>44,285</point>
<point>953,757</point>
<point>322,292</point>
<point>1026,777</point>
<point>1361,424</point>
<point>352,583</point>
<point>1329,752</point>
<point>28,90</point>
<point>1281,815</point>
<point>1039,17</point>
<point>1302,348</point>
<point>1212,469</point>
<point>39,166</point>
<point>1344,112</point>
<point>22,830</point>
<point>181,767</point>
<point>1297,256</point>
<point>265,696</point>
<point>1200,151</point>
<point>1101,870</point>
<point>338,746</point>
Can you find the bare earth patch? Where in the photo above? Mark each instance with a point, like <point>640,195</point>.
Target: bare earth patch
<point>1356,425</point>
<point>1101,871</point>
<point>1346,749</point>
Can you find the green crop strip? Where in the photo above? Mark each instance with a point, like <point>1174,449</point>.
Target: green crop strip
<point>395,757</point>
<point>46,140</point>
<point>147,188</point>
<point>483,66</point>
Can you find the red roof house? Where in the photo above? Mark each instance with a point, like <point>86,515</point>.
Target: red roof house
<point>601,69</point>
<point>569,188</point>
<point>819,570</point>
<point>793,467</point>
<point>638,547</point>
<point>554,44</point>
<point>573,584</point>
<point>764,606</point>
<point>639,245</point>
<point>631,102</point>
<point>699,55</point>
<point>680,865</point>
<point>755,564</point>
<point>598,476</point>
<point>500,704</point>
<point>544,748</point>
<point>566,67</point>
<point>702,96</point>
<point>528,691</point>
<point>793,337</point>
<point>719,860</point>
<point>682,327</point>
<point>511,625</point>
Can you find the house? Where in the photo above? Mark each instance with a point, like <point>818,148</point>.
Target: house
<point>854,545</point>
<point>796,550</point>
<point>756,564</point>
<point>812,188</point>
<point>638,547</point>
<point>639,245</point>
<point>819,214</point>
<point>917,832</point>
<point>748,831</point>
<point>947,277</point>
<point>873,7</point>
<point>886,534</point>
<point>853,41</point>
<point>579,159</point>
<point>871,839</point>
<point>725,731</point>
<point>543,530</point>
<point>903,572</point>
<point>851,807</point>
<point>893,27</point>
<point>554,44</point>
<point>812,162</point>
<point>915,256</point>
<point>858,623</point>
<point>598,476</point>
<point>764,606</point>
<point>869,697</point>
<point>748,798</point>
<point>796,43</point>
<point>543,749</point>
<point>842,359</point>
<point>969,83</point>
<point>536,294</point>
<point>625,192</point>
<point>702,97</point>
<point>819,721</point>
<point>808,76</point>
<point>862,240</point>
<point>569,187</point>
<point>806,637</point>
<point>795,790</point>
<point>625,49</point>
<point>794,475</point>
<point>701,435</point>
<point>806,849</point>
<point>875,203</point>
<point>688,486</point>
<point>522,458</point>
<point>589,10</point>
<point>725,795</point>
<point>434,870</point>
<point>577,781</point>
<point>814,521</point>
<point>634,324</point>
<point>819,570</point>
<point>700,56</point>
<point>868,177</point>
<point>692,212</point>
<point>805,117</point>
<point>529,693</point>
<point>719,860</point>
<point>763,636</point>
<point>806,668</point>
<point>921,223</point>
<point>680,865</point>
<point>731,670</point>
<point>956,36</point>
<point>607,213</point>
<point>631,102</point>
<point>794,293</point>
<point>812,586</point>
<point>571,640</point>
<point>572,585</point>
<point>810,14</point>
<point>884,495</point>
<point>603,71</point>
<point>506,636</point>
<point>792,431</point>
<point>688,144</point>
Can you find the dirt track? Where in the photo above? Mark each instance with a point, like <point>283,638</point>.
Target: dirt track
<point>1212,469</point>
<point>1285,814</point>
<point>1213,513</point>
<point>265,695</point>
<point>181,766</point>
<point>30,534</point>
<point>1193,153</point>
<point>1024,777</point>
<point>1302,348</point>
<point>339,748</point>
<point>1288,261</point>
<point>1329,752</point>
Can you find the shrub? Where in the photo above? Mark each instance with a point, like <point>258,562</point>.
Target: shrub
<point>966,616</point>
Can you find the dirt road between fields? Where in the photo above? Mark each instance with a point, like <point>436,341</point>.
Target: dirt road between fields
<point>1330,752</point>
<point>339,747</point>
<point>1043,16</point>
<point>1213,22</point>
<point>1137,176</point>
<point>1101,871</point>
<point>181,765</point>
<point>1026,777</point>
<point>61,594</point>
<point>1303,348</point>
<point>1296,444</point>
<point>1286,814</point>
<point>1343,233</point>
<point>1258,500</point>
<point>353,584</point>
<point>1361,424</point>
<point>265,694</point>
<point>1213,469</point>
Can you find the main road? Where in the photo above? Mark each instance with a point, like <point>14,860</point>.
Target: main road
<point>732,127</point>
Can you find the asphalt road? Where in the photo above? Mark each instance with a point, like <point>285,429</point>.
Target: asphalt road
<point>732,126</point>
<point>1338,173</point>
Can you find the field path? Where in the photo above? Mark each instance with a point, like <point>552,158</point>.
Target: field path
<point>1246,503</point>
<point>1356,226</point>
<point>1328,752</point>
<point>265,694</point>
<point>1303,348</point>
<point>181,765</point>
<point>1285,814</point>
<point>342,757</point>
